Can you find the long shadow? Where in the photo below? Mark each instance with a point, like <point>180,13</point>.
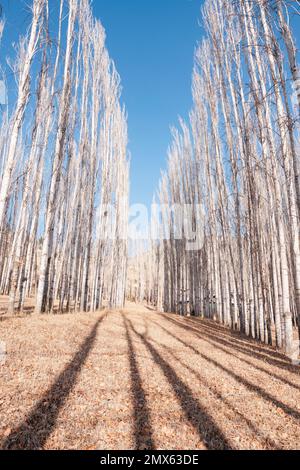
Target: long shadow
<point>213,341</point>
<point>233,335</point>
<point>33,433</point>
<point>236,334</point>
<point>244,349</point>
<point>216,341</point>
<point>208,431</point>
<point>250,386</point>
<point>240,338</point>
<point>150,308</point>
<point>266,439</point>
<point>143,433</point>
<point>248,344</point>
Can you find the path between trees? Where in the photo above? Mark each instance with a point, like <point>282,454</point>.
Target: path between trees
<point>137,379</point>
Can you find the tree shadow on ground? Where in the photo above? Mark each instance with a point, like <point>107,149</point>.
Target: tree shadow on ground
<point>250,386</point>
<point>249,348</point>
<point>210,434</point>
<point>239,338</point>
<point>152,309</point>
<point>266,440</point>
<point>33,433</point>
<point>226,348</point>
<point>143,433</point>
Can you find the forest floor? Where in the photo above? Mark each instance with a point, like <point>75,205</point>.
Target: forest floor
<point>137,379</point>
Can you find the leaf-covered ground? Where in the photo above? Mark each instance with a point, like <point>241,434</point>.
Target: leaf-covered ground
<point>139,379</point>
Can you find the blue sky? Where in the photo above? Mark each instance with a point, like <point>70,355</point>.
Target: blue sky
<point>152,43</point>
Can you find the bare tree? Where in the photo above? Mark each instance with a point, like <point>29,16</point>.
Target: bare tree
<point>239,159</point>
<point>55,241</point>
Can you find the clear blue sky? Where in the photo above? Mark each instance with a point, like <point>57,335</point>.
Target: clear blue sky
<point>152,43</point>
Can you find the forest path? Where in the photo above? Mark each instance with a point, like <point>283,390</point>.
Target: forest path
<point>140,379</point>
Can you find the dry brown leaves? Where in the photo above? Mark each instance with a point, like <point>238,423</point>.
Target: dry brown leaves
<point>138,379</point>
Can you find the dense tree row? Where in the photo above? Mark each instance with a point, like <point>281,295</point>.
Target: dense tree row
<point>238,160</point>
<point>64,167</point>
<point>144,277</point>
